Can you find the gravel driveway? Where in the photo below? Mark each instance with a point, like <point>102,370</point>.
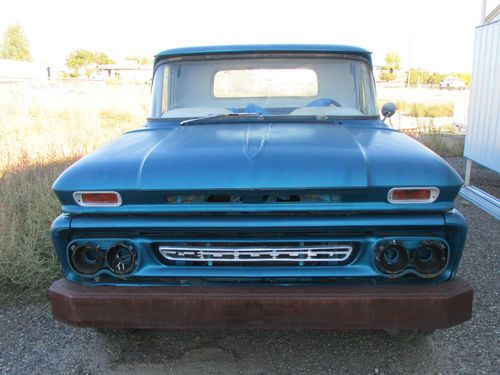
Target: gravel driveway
<point>31,342</point>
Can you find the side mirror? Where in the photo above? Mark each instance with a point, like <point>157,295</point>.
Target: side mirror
<point>388,109</point>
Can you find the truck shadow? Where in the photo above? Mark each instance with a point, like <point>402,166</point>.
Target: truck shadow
<point>245,351</point>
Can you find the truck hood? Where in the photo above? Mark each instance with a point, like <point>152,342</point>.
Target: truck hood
<point>259,156</point>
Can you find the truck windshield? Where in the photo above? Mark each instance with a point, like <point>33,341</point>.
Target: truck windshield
<point>271,86</point>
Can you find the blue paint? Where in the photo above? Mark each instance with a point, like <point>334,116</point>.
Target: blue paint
<point>295,156</point>
<point>265,48</point>
<point>355,161</point>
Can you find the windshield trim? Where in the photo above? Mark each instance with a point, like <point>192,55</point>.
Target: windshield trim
<point>165,61</point>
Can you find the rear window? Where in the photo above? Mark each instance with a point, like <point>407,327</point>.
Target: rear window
<point>312,86</point>
<point>258,83</point>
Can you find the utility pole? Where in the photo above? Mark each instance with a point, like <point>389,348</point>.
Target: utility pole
<point>409,63</point>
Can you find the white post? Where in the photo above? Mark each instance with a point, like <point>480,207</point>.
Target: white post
<point>483,11</point>
<point>468,170</point>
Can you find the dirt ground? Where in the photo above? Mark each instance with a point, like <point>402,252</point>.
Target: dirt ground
<point>32,342</point>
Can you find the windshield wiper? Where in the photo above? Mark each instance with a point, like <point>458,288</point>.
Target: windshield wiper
<point>258,115</point>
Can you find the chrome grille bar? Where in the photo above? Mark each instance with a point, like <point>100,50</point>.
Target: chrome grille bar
<point>298,254</point>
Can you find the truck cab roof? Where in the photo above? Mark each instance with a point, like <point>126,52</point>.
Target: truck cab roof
<point>265,48</point>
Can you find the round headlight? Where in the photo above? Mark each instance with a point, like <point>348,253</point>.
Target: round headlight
<point>121,258</point>
<point>430,257</point>
<point>391,257</point>
<point>87,259</point>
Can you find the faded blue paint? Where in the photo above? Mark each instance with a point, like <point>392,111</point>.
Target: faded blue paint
<point>167,228</point>
<point>356,160</point>
<point>265,48</point>
<point>363,156</point>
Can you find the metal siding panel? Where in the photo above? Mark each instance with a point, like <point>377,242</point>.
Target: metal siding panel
<point>480,96</point>
<point>495,116</point>
<point>491,146</point>
<point>490,95</point>
<point>482,142</point>
<point>474,89</point>
<point>482,124</point>
<point>493,154</point>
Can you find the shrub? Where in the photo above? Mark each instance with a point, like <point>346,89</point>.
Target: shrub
<point>43,132</point>
<point>111,118</point>
<point>425,110</point>
<point>438,141</point>
<point>27,258</point>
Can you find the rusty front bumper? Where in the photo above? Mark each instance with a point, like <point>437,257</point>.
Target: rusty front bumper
<point>271,307</point>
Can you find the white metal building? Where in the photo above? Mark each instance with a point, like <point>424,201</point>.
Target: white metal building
<point>129,72</point>
<point>482,140</point>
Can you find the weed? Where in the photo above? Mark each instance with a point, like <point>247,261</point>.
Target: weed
<point>439,141</point>
<point>425,110</point>
<point>43,131</point>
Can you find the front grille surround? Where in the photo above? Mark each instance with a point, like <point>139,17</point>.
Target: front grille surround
<point>254,254</point>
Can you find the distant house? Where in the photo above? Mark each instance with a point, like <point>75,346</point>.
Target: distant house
<point>12,70</point>
<point>128,71</point>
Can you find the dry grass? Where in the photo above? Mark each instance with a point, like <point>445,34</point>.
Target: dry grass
<point>440,140</point>
<point>43,130</point>
<point>424,109</point>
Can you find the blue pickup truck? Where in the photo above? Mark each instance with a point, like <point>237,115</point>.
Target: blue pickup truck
<point>264,191</point>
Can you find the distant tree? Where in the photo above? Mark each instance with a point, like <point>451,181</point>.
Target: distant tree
<point>141,60</point>
<point>84,61</point>
<point>435,78</point>
<point>422,76</point>
<point>79,59</point>
<point>391,67</point>
<point>15,45</point>
<point>101,58</point>
<point>419,77</point>
<point>463,76</point>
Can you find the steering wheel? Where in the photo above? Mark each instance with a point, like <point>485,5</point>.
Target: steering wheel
<point>323,102</point>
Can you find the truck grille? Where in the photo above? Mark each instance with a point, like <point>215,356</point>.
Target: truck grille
<point>270,197</point>
<point>247,254</point>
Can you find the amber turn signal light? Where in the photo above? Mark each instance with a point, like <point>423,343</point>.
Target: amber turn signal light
<point>413,195</point>
<point>97,198</point>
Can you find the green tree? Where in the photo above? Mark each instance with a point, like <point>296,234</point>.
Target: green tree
<point>391,67</point>
<point>15,45</point>
<point>435,78</point>
<point>101,58</point>
<point>419,77</point>
<point>85,62</point>
<point>79,59</point>
<point>463,76</point>
<point>140,60</point>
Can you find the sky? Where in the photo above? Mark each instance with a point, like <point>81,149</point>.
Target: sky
<point>437,35</point>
